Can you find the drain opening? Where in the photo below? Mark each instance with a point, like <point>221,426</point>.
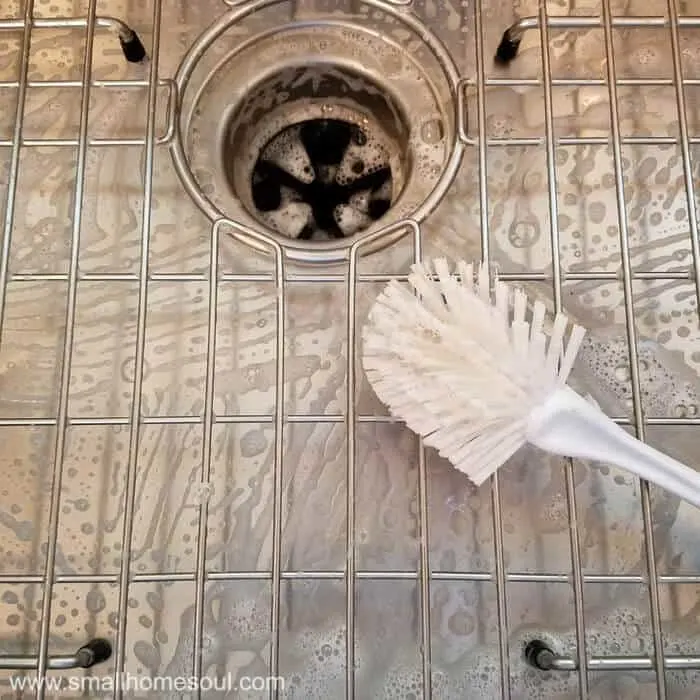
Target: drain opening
<point>317,153</point>
<point>322,179</point>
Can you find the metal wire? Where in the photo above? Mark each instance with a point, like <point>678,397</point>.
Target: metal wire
<point>628,290</point>
<point>350,430</point>
<point>351,438</point>
<point>674,24</point>
<point>249,236</point>
<point>574,544</point>
<point>11,199</point>
<point>424,541</point>
<point>497,515</point>
<point>30,22</point>
<point>208,427</point>
<point>135,423</point>
<point>320,574</point>
<point>543,657</point>
<point>94,652</point>
<point>67,356</point>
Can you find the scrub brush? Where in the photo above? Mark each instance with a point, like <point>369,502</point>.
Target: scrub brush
<point>479,372</point>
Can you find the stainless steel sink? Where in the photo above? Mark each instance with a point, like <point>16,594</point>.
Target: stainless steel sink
<point>193,464</point>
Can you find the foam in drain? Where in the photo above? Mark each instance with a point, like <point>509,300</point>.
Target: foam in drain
<point>290,218</point>
<point>322,179</point>
<point>287,152</point>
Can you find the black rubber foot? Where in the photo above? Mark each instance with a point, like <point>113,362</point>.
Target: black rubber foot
<point>94,652</point>
<point>133,49</point>
<point>538,654</point>
<point>507,50</point>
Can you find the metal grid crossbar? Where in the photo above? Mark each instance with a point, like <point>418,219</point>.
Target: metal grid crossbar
<point>283,279</point>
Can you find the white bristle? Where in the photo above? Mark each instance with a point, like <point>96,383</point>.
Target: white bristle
<point>521,341</point>
<point>462,366</point>
<point>538,344</point>
<point>538,313</point>
<point>519,305</point>
<point>572,347</point>
<point>556,341</point>
<point>484,291</point>
<point>503,300</point>
<point>466,271</point>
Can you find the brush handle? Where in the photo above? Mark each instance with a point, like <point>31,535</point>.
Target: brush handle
<point>569,426</point>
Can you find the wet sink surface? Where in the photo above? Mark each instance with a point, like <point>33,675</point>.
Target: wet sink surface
<point>533,517</point>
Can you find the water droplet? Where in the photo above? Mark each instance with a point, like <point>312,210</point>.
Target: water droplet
<point>622,373</point>
<point>432,131</point>
<point>635,644</point>
<point>202,492</point>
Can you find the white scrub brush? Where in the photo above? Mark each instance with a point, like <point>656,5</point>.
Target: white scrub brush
<point>469,368</point>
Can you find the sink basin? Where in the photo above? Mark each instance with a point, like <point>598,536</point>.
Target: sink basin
<point>237,529</point>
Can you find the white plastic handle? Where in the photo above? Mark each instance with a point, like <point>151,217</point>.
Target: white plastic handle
<point>569,426</point>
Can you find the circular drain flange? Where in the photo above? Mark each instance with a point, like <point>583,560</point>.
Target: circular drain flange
<point>317,133</point>
<point>322,179</point>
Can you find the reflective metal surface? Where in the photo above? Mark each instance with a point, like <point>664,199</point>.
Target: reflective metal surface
<point>387,66</point>
<point>193,464</point>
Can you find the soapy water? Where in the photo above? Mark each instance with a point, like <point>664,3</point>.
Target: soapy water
<point>666,390</point>
<point>480,668</point>
<point>322,179</point>
<point>318,670</point>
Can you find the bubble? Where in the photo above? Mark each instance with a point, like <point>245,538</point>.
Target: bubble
<point>95,601</point>
<point>523,234</point>
<point>253,443</point>
<point>81,504</point>
<point>622,373</point>
<point>632,629</point>
<point>287,152</point>
<point>645,55</point>
<point>432,131</point>
<point>290,219</point>
<point>351,220</point>
<point>202,492</point>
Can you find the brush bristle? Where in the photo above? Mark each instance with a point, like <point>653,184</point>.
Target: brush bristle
<point>462,363</point>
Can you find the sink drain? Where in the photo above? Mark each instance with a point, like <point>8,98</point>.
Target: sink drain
<point>325,162</point>
<point>322,179</point>
<point>317,133</point>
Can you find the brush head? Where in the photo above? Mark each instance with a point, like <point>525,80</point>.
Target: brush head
<point>464,362</point>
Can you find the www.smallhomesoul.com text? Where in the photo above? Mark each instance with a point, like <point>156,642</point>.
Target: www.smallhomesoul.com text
<point>143,684</point>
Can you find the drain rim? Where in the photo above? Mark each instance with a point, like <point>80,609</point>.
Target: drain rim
<point>338,250</point>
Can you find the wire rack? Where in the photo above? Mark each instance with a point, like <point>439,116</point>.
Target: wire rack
<point>579,663</point>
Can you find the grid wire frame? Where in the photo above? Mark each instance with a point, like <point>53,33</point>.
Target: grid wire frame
<point>424,576</point>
